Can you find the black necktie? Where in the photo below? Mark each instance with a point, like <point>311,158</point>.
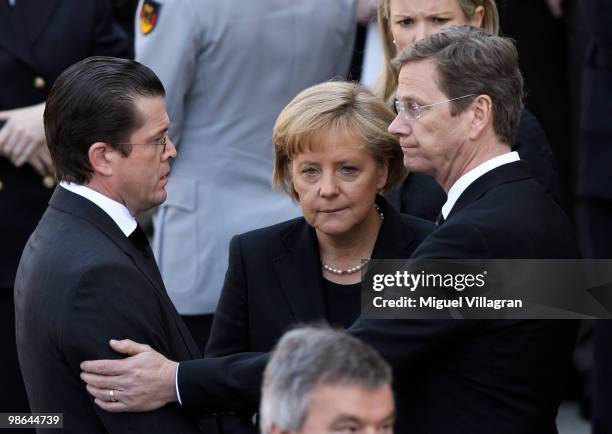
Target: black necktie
<point>440,219</point>
<point>139,238</point>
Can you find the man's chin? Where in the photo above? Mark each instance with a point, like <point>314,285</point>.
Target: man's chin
<point>418,166</point>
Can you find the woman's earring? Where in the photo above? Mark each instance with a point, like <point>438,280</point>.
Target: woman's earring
<point>394,43</point>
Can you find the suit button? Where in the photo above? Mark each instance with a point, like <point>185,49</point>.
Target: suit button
<point>39,83</point>
<point>48,181</point>
<point>1,185</point>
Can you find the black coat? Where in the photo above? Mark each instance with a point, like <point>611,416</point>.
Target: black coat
<point>452,376</point>
<point>422,196</point>
<point>81,282</point>
<point>278,269</point>
<point>274,282</point>
<point>38,40</point>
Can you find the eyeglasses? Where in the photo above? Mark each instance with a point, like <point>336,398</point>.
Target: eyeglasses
<point>414,111</point>
<point>160,142</point>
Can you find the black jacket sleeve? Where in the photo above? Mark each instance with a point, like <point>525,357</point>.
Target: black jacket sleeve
<point>103,306</point>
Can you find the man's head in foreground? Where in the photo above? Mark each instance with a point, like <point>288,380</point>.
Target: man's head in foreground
<point>107,128</point>
<point>458,100</point>
<point>321,381</point>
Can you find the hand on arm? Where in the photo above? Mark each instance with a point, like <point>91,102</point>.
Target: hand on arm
<point>22,134</point>
<point>144,381</point>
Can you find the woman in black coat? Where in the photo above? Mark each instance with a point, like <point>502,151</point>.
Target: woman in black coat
<point>333,155</point>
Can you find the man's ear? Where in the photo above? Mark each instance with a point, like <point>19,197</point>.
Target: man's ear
<point>482,108</point>
<point>101,158</point>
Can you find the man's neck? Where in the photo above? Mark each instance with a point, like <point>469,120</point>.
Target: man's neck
<point>116,210</point>
<point>105,189</point>
<point>470,159</point>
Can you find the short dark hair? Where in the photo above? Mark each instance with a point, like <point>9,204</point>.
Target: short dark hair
<point>471,61</point>
<point>93,101</point>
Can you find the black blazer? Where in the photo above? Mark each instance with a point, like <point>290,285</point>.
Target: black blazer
<point>485,376</point>
<point>38,40</point>
<point>453,376</point>
<point>422,196</point>
<point>274,280</point>
<point>80,283</point>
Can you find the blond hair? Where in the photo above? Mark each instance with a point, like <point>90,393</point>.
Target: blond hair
<point>387,82</point>
<point>334,106</point>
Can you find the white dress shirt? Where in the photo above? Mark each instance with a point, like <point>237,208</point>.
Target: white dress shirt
<point>117,211</point>
<point>468,178</point>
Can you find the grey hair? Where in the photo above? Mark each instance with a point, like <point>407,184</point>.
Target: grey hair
<point>307,357</point>
<point>471,61</point>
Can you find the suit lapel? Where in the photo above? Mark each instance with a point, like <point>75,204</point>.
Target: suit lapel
<point>299,270</point>
<point>503,174</point>
<point>143,259</point>
<point>299,273</point>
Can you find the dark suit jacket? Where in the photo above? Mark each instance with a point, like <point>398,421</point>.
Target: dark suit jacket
<point>454,376</point>
<point>274,281</point>
<point>38,40</point>
<point>422,196</point>
<point>80,283</point>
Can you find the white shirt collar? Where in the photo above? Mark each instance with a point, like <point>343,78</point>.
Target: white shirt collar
<point>11,2</point>
<point>117,211</point>
<point>468,178</point>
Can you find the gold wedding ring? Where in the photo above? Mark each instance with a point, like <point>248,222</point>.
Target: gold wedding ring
<point>112,395</point>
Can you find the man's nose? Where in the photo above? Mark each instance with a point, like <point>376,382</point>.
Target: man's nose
<point>170,149</point>
<point>400,126</point>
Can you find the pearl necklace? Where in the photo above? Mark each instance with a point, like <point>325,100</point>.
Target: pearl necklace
<point>359,267</point>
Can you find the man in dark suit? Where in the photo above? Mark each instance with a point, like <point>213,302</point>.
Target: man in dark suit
<point>87,272</point>
<point>459,101</point>
<point>38,40</point>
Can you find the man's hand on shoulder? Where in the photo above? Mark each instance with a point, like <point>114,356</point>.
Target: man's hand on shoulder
<point>144,381</point>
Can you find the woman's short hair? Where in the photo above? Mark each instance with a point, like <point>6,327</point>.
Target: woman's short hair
<point>387,83</point>
<point>334,106</point>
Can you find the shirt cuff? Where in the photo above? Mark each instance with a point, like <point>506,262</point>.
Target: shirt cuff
<point>178,395</point>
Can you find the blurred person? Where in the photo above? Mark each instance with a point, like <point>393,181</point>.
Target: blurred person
<point>87,272</point>
<point>542,31</point>
<point>595,185</point>
<point>459,103</point>
<point>38,40</point>
<point>403,22</point>
<point>325,381</point>
<point>333,155</point>
<point>229,67</point>
<point>124,12</point>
